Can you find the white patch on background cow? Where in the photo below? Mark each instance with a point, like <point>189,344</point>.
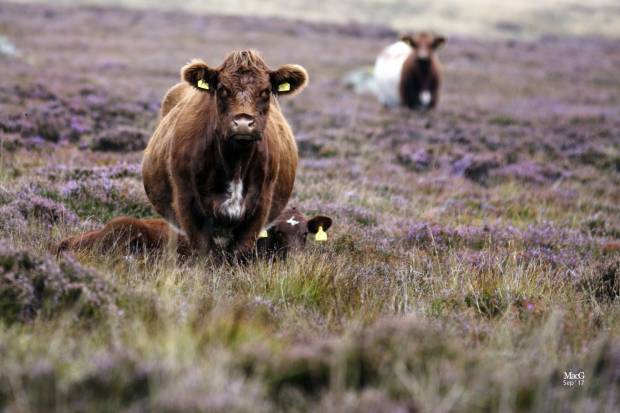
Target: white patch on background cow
<point>388,68</point>
<point>233,206</point>
<point>425,97</point>
<point>292,221</point>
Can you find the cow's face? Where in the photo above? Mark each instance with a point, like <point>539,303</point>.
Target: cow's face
<point>243,87</point>
<point>290,231</point>
<point>424,44</point>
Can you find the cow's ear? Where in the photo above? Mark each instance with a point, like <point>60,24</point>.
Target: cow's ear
<point>199,75</point>
<point>408,38</point>
<point>438,42</point>
<point>319,221</point>
<point>288,79</point>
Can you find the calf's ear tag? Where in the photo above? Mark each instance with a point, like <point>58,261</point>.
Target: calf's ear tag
<point>202,84</point>
<point>263,234</point>
<point>320,235</point>
<point>284,87</point>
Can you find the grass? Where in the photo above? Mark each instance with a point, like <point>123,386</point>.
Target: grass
<point>450,322</point>
<point>338,325</point>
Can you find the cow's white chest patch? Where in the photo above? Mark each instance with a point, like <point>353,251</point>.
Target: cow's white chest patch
<point>233,206</point>
<point>292,221</point>
<point>425,97</point>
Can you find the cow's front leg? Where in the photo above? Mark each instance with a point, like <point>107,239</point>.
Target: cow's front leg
<point>245,235</point>
<point>188,208</point>
<point>194,222</point>
<point>191,217</point>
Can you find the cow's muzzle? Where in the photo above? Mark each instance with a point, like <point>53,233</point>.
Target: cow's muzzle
<point>242,125</point>
<point>242,129</point>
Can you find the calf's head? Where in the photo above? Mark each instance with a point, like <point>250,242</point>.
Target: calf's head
<point>243,87</point>
<point>290,231</point>
<point>424,44</point>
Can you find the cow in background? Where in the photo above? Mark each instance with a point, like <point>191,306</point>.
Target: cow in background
<point>409,72</point>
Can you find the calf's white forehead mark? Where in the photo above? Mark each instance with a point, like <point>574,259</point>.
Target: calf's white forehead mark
<point>233,206</point>
<point>292,221</point>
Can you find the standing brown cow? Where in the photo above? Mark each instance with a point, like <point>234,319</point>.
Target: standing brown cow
<point>221,164</point>
<point>409,73</point>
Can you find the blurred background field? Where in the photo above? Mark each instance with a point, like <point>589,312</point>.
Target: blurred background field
<point>475,252</point>
<point>477,18</point>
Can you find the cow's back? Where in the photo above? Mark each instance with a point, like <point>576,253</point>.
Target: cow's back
<point>173,96</point>
<point>388,70</point>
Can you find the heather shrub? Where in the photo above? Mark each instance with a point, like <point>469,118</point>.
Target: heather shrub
<point>33,286</point>
<point>28,206</point>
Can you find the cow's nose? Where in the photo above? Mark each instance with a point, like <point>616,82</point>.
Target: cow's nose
<point>423,54</point>
<point>242,125</point>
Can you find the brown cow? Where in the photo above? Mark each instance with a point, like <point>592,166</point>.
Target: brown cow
<point>221,164</point>
<point>408,72</point>
<point>139,236</point>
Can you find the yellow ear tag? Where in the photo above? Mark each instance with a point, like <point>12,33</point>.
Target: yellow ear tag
<point>263,234</point>
<point>203,85</point>
<point>320,235</point>
<point>284,87</point>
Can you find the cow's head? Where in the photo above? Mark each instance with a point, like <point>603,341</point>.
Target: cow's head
<point>243,87</point>
<point>424,44</point>
<point>290,231</point>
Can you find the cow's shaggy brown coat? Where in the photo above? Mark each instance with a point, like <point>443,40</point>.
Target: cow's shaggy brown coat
<point>221,164</point>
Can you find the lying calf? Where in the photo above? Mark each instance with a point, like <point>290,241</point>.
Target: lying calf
<point>289,232</point>
<point>137,236</point>
<point>127,235</point>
